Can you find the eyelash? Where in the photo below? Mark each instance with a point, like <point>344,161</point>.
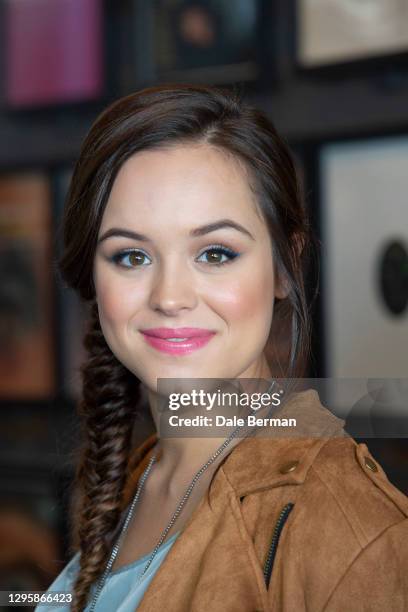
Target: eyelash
<point>117,257</point>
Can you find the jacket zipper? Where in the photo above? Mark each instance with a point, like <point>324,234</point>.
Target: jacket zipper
<point>283,516</point>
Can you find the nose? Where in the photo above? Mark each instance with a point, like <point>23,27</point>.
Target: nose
<point>172,289</point>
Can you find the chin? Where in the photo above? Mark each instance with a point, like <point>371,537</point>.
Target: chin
<point>178,374</point>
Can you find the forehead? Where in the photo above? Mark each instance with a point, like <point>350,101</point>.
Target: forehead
<point>180,183</point>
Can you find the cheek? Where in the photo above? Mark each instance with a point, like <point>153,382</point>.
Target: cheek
<point>248,300</point>
<point>111,309</point>
<point>116,303</point>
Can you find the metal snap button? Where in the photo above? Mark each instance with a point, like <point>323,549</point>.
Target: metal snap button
<point>289,467</point>
<point>369,463</point>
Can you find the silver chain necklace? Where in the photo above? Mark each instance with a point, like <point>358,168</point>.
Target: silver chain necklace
<point>173,519</point>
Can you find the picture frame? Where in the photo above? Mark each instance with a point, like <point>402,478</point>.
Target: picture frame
<point>340,33</point>
<point>27,306</point>
<point>54,52</point>
<point>34,527</point>
<point>204,41</point>
<point>364,287</point>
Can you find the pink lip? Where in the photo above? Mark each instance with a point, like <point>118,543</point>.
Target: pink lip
<point>176,332</point>
<point>196,338</point>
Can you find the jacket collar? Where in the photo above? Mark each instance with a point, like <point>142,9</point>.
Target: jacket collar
<point>266,459</point>
<point>275,458</point>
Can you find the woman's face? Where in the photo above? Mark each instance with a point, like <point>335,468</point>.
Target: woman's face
<point>197,255</point>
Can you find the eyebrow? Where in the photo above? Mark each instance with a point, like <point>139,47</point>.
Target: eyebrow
<point>198,231</point>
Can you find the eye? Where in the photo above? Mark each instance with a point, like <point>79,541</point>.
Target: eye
<point>135,257</point>
<point>215,253</point>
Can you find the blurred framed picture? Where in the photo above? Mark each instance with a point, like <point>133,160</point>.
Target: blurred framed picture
<point>27,364</point>
<point>364,221</point>
<point>205,41</point>
<point>32,541</point>
<point>73,312</point>
<point>53,51</point>
<point>335,32</point>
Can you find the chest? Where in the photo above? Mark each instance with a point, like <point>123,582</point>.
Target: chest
<point>217,562</point>
<point>151,516</point>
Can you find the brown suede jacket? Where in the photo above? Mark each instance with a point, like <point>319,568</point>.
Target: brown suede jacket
<point>294,524</point>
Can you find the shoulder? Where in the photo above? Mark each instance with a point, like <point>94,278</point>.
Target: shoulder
<point>368,517</point>
<point>357,483</point>
<point>347,535</point>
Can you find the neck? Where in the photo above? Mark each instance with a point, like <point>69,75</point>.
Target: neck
<point>192,453</point>
<point>182,457</point>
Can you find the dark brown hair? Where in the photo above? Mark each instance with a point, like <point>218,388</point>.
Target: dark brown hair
<point>152,118</point>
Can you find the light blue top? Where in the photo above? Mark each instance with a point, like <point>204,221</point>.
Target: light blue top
<point>121,592</point>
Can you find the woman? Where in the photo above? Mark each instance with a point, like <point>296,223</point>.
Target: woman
<point>185,231</point>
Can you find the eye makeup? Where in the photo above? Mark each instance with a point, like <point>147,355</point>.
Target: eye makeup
<point>118,257</point>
